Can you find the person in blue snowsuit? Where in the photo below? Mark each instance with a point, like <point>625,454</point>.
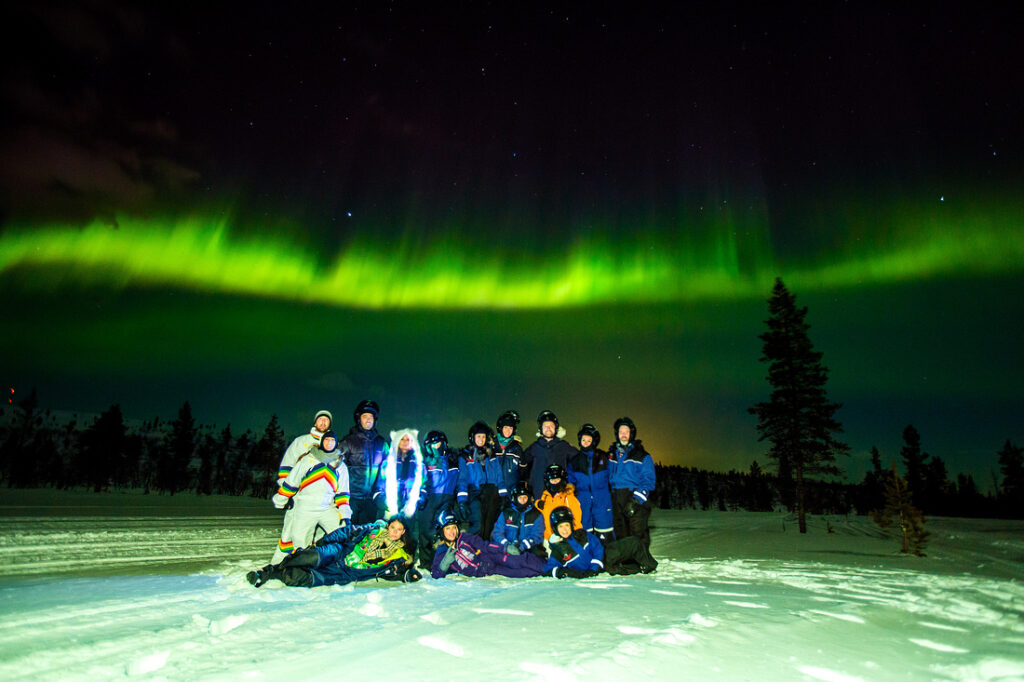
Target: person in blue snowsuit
<point>574,554</point>
<point>349,554</point>
<point>579,554</point>
<point>470,555</point>
<point>508,450</point>
<point>473,476</point>
<point>632,483</point>
<point>520,527</point>
<point>441,473</point>
<point>589,473</point>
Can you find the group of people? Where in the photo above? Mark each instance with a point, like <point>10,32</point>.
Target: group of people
<point>358,507</point>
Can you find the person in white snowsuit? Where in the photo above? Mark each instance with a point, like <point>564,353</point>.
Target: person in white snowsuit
<point>402,480</point>
<point>315,495</point>
<point>301,445</point>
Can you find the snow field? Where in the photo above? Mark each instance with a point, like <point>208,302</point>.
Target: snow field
<point>719,607</point>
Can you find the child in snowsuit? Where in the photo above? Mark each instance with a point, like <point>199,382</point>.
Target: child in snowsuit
<point>579,554</point>
<point>472,556</point>
<point>314,495</point>
<point>437,493</point>
<point>472,476</point>
<point>589,473</point>
<point>557,493</point>
<point>349,554</point>
<point>520,527</point>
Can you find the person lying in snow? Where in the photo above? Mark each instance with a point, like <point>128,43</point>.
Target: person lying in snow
<point>471,555</point>
<point>580,554</point>
<point>349,554</point>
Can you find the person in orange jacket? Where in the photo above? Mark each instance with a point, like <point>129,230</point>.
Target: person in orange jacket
<point>558,492</point>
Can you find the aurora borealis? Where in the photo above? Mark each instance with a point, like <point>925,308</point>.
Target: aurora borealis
<point>552,208</point>
<point>665,266</point>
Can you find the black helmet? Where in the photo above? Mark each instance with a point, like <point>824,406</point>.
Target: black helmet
<point>560,515</point>
<point>445,518</point>
<point>552,472</point>
<point>508,418</point>
<point>589,430</point>
<point>520,488</point>
<point>435,437</point>
<point>480,427</point>
<point>364,407</point>
<point>547,416</point>
<point>329,434</point>
<point>625,421</point>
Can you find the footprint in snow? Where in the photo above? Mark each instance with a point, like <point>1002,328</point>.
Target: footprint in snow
<point>219,627</point>
<point>928,644</point>
<point>439,644</point>
<point>147,664</point>
<point>747,605</point>
<point>840,616</point>
<point>505,612</point>
<point>827,675</point>
<point>546,671</point>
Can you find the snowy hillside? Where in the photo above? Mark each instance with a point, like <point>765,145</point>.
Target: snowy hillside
<point>93,589</point>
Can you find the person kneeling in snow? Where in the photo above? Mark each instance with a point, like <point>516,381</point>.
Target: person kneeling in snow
<point>580,554</point>
<point>520,527</point>
<point>472,556</point>
<point>349,554</point>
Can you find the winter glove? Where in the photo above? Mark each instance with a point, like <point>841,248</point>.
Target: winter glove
<point>411,576</point>
<point>631,508</point>
<point>579,575</point>
<point>512,549</point>
<point>289,504</point>
<point>448,559</point>
<point>463,511</point>
<point>562,552</point>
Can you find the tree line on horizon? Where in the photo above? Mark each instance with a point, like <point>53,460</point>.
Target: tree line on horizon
<point>181,455</point>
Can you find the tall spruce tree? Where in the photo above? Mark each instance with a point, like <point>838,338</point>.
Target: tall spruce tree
<point>181,446</point>
<point>914,460</point>
<point>798,419</point>
<point>1011,491</point>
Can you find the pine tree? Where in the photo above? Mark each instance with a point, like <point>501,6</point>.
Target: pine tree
<point>798,419</point>
<point>1011,490</point>
<point>267,456</point>
<point>181,445</point>
<point>914,460</point>
<point>899,508</point>
<point>104,445</point>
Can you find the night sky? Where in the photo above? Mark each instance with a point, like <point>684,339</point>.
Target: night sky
<point>463,210</point>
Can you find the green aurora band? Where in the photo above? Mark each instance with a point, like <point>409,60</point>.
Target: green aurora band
<point>731,259</point>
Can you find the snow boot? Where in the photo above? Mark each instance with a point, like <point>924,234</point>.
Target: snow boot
<point>260,576</point>
<point>393,571</point>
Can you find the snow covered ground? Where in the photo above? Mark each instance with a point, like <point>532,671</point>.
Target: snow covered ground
<point>107,586</point>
